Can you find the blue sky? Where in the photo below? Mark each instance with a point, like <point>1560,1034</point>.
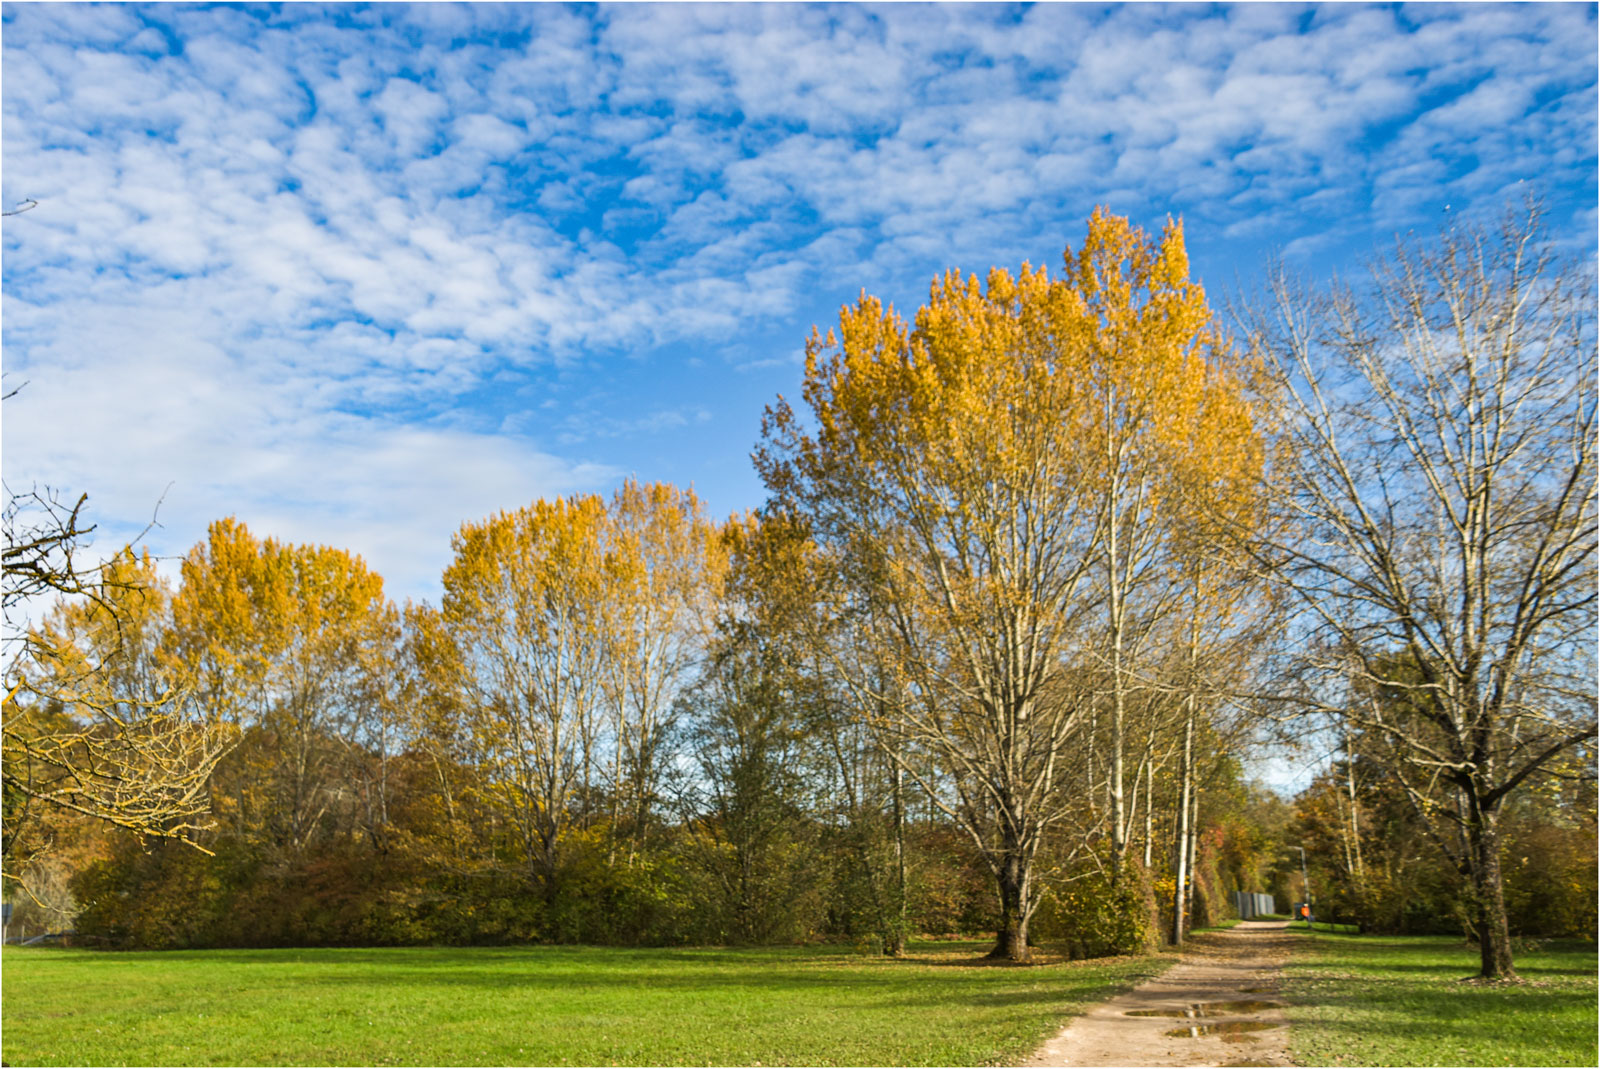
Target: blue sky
<point>356,275</point>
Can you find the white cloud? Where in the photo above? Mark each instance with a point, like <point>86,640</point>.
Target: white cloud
<point>280,254</point>
<point>232,437</point>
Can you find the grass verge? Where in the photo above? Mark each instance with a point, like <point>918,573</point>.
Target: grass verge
<point>1401,1000</point>
<point>541,1006</point>
<point>1323,926</point>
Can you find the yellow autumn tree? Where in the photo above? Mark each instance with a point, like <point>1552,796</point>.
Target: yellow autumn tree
<point>664,563</point>
<point>978,476</point>
<point>575,623</point>
<point>286,643</point>
<point>523,602</point>
<point>1172,439</point>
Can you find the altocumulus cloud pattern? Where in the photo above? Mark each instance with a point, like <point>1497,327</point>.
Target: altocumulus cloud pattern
<point>358,274</point>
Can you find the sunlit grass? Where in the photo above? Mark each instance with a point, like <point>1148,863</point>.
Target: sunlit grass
<point>540,1006</point>
<point>1401,1000</point>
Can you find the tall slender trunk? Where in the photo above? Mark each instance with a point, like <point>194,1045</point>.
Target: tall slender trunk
<point>1149,810</point>
<point>449,804</point>
<point>1119,804</point>
<point>897,944</point>
<point>1359,869</point>
<point>1116,610</point>
<point>615,801</point>
<point>1089,791</point>
<point>1184,860</point>
<point>1193,846</point>
<point>1133,810</point>
<point>1187,821</point>
<point>383,774</point>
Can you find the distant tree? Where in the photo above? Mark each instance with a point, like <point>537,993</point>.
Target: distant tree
<point>1372,862</point>
<point>664,561</point>
<point>282,642</point>
<point>523,602</point>
<point>1437,493</point>
<point>746,812</point>
<point>575,624</point>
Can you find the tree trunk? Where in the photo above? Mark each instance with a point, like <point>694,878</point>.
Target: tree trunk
<point>1011,943</point>
<point>1116,607</point>
<point>1193,846</point>
<point>1489,903</point>
<point>1149,810</point>
<point>1180,892</point>
<point>1119,802</point>
<point>897,945</point>
<point>1355,825</point>
<point>1186,830</point>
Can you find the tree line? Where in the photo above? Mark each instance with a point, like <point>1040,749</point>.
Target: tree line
<point>1036,568</point>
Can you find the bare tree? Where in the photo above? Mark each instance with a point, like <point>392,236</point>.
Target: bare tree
<point>1437,482</point>
<point>75,735</point>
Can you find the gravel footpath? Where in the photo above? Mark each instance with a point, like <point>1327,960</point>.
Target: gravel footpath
<point>1217,1006</point>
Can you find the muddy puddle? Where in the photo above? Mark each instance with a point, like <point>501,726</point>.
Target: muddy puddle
<point>1229,1030</point>
<point>1211,1009</point>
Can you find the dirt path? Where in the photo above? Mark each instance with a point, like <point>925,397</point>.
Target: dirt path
<point>1230,970</point>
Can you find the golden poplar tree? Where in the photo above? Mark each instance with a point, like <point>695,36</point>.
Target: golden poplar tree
<point>524,602</point>
<point>664,566</point>
<point>1172,439</point>
<point>283,642</point>
<point>978,476</point>
<point>575,623</point>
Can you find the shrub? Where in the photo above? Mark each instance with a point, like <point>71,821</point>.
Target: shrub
<point>1095,916</point>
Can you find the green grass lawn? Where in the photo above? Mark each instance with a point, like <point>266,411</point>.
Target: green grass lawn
<point>540,1006</point>
<point>1400,1000</point>
<point>1322,926</point>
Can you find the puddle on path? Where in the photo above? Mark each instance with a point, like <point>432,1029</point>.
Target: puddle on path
<point>1211,1009</point>
<point>1226,1029</point>
<point>1253,990</point>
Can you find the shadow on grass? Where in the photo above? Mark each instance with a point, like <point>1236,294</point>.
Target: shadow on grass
<point>1392,997</point>
<point>1041,961</point>
<point>1452,960</point>
<point>1448,993</point>
<point>645,961</point>
<point>1428,1032</point>
<point>1445,973</point>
